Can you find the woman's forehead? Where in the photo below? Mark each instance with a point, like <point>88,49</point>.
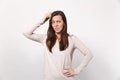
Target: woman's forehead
<point>57,17</point>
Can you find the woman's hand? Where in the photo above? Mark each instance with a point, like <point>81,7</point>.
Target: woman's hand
<point>46,17</point>
<point>69,72</point>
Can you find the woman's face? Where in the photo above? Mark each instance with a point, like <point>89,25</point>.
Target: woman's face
<point>57,23</point>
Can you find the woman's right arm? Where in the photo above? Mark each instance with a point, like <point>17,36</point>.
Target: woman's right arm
<point>30,32</point>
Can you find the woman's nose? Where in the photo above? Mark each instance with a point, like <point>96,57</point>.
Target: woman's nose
<point>56,24</point>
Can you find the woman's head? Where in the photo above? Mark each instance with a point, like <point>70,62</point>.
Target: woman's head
<point>58,22</point>
<point>57,25</point>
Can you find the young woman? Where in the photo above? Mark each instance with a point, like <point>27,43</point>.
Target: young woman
<point>59,47</point>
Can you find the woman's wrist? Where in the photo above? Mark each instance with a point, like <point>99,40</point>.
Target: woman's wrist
<point>77,71</point>
<point>38,24</point>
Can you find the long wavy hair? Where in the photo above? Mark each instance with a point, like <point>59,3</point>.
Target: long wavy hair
<point>51,36</point>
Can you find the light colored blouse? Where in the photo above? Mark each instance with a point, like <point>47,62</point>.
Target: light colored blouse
<point>56,61</point>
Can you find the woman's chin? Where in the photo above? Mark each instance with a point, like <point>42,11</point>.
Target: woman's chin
<point>58,32</point>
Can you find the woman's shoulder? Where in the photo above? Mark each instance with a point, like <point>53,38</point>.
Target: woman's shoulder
<point>72,36</point>
<point>42,35</point>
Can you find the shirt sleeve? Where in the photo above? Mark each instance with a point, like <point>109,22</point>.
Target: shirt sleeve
<point>37,37</point>
<point>85,51</point>
<point>29,33</point>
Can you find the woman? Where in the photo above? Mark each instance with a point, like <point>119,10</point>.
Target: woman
<point>59,47</point>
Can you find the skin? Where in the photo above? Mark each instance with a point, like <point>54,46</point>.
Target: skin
<point>57,24</point>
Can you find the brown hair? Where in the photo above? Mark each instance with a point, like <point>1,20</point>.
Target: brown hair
<point>51,36</point>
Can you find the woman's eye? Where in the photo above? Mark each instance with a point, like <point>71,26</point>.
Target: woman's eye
<point>58,21</point>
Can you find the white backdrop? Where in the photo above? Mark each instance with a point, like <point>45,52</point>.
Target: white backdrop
<point>95,22</point>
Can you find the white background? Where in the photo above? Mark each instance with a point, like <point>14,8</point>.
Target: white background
<point>95,22</point>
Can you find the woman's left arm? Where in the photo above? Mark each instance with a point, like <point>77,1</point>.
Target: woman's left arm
<point>87,57</point>
<point>85,51</point>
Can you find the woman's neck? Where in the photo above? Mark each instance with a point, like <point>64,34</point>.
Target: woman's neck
<point>58,36</point>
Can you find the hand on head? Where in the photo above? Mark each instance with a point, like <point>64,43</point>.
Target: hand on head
<point>46,17</point>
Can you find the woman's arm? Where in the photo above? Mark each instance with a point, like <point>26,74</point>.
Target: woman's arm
<point>29,33</point>
<point>85,51</point>
<point>87,57</point>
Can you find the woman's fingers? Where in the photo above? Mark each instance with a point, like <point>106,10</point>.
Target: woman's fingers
<point>48,14</point>
<point>46,17</point>
<point>68,72</point>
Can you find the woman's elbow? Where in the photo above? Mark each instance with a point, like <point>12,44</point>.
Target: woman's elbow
<point>90,55</point>
<point>26,34</point>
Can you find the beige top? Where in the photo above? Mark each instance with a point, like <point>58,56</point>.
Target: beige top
<point>58,60</point>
